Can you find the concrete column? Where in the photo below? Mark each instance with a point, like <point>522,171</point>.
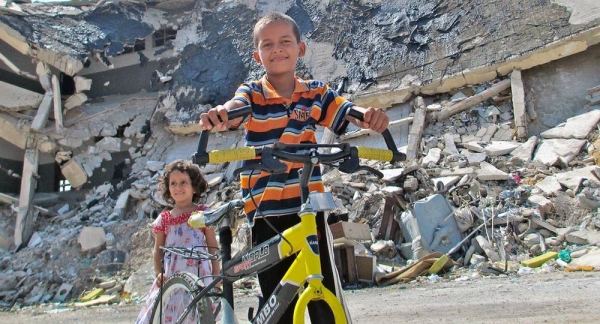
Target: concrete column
<point>58,117</point>
<point>416,130</point>
<point>25,215</point>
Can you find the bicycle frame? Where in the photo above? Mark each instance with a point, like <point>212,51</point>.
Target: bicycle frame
<point>306,269</point>
<point>300,239</point>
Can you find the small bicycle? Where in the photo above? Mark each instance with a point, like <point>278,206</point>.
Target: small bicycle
<point>201,303</point>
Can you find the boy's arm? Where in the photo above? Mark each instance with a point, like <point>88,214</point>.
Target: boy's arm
<point>374,119</point>
<point>217,117</point>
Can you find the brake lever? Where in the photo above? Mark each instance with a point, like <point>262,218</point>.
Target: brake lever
<point>267,163</point>
<point>351,164</point>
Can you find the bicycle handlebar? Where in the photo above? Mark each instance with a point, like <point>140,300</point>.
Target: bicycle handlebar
<point>283,151</point>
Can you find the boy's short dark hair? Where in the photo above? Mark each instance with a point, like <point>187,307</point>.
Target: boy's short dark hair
<point>199,184</point>
<point>273,17</point>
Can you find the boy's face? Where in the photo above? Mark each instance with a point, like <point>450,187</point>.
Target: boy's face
<point>278,49</point>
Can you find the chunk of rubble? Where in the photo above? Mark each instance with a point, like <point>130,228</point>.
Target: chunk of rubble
<point>575,127</point>
<point>433,156</point>
<point>496,148</point>
<point>573,179</point>
<point>549,185</point>
<point>92,239</point>
<point>73,172</point>
<point>488,172</point>
<point>552,151</point>
<point>525,151</point>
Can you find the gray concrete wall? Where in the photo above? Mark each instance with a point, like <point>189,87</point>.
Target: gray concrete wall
<point>558,89</point>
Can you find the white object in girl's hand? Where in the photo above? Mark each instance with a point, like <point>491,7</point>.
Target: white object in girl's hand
<point>197,220</point>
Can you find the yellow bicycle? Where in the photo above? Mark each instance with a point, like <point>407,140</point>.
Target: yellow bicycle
<point>304,277</point>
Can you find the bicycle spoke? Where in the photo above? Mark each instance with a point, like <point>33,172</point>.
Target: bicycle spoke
<point>175,306</point>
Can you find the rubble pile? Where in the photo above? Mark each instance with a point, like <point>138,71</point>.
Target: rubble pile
<point>482,195</point>
<point>476,192</point>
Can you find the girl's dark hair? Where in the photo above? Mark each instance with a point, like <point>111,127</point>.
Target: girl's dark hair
<point>199,184</point>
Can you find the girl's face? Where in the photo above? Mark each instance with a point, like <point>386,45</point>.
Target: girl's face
<point>180,187</point>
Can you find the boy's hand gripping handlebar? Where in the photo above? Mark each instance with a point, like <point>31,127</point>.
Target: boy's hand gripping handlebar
<point>349,155</point>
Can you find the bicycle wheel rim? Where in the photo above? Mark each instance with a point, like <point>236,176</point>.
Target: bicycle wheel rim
<point>178,292</point>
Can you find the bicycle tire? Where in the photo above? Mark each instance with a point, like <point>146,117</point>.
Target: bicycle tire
<point>178,291</point>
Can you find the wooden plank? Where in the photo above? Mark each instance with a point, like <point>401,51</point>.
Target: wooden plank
<point>346,264</point>
<point>474,100</point>
<point>389,228</point>
<point>365,267</point>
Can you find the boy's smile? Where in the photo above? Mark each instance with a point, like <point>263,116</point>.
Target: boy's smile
<point>278,50</point>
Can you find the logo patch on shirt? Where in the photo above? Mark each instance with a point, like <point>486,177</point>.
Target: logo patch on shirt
<point>301,114</point>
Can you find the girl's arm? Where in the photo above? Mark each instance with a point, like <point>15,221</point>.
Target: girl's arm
<point>157,254</point>
<point>211,241</point>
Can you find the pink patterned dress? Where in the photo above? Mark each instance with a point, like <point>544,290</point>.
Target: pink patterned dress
<point>177,233</point>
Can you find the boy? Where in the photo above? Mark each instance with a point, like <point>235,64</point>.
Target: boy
<point>285,108</point>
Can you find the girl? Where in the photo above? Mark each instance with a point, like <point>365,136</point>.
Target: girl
<point>181,186</point>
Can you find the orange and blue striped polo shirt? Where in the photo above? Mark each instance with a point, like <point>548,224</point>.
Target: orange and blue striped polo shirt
<point>294,121</point>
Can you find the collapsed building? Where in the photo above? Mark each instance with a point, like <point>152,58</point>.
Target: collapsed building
<point>96,97</point>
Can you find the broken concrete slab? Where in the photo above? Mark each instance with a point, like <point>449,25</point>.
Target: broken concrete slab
<point>488,172</point>
<point>447,182</point>
<point>449,145</point>
<point>525,151</point>
<point>583,237</point>
<point>14,98</point>
<point>549,185</point>
<point>75,100</point>
<point>575,127</point>
<point>552,151</point>
<point>474,158</point>
<point>433,156</point>
<point>496,148</point>
<point>457,172</point>
<point>544,204</point>
<point>572,179</point>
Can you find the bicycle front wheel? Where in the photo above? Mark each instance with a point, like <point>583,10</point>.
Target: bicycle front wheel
<point>178,292</point>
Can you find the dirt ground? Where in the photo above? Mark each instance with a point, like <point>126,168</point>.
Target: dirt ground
<point>535,298</point>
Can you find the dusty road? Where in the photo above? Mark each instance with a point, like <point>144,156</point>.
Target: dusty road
<point>537,298</point>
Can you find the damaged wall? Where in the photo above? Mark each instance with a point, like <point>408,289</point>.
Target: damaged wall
<point>378,43</point>
<point>557,90</point>
<point>363,49</point>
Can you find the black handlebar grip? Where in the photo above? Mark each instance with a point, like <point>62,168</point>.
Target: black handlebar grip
<point>201,156</point>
